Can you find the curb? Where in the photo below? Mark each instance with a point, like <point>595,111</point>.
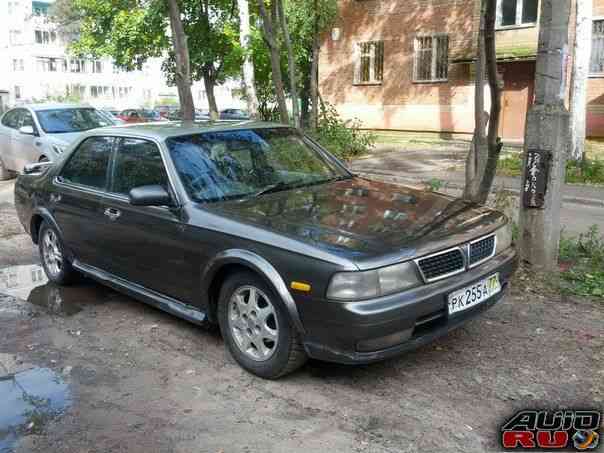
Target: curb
<point>416,180</point>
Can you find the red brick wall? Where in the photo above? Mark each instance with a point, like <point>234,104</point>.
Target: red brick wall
<point>595,92</point>
<point>398,103</point>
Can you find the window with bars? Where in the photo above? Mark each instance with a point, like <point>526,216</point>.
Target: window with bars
<point>369,62</point>
<point>431,58</point>
<point>596,64</point>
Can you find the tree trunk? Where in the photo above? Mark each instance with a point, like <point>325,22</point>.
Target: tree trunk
<point>305,102</point>
<point>481,163</point>
<point>249,83</point>
<point>270,37</point>
<point>209,84</point>
<point>578,100</point>
<point>182,76</point>
<point>291,64</point>
<point>314,73</point>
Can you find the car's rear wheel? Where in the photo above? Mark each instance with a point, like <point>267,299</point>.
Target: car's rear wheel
<point>257,329</point>
<point>5,174</point>
<point>52,252</point>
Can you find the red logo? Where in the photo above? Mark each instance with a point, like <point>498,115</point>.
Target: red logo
<point>552,430</point>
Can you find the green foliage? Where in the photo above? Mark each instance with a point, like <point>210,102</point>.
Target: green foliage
<point>589,171</point>
<point>584,257</point>
<point>434,184</point>
<point>345,139</point>
<point>510,165</point>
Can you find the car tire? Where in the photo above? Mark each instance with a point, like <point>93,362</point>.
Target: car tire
<point>5,174</point>
<point>52,254</point>
<point>257,329</point>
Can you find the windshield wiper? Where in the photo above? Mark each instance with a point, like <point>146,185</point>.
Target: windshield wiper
<point>277,187</point>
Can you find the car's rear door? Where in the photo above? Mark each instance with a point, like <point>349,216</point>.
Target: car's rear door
<point>8,126</point>
<point>75,199</point>
<point>146,244</point>
<point>25,147</point>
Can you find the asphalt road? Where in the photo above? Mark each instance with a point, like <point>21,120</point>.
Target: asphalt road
<point>84,369</point>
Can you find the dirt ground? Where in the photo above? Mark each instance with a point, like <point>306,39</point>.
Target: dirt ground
<point>126,377</point>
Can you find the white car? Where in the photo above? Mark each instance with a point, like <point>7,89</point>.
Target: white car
<point>41,133</point>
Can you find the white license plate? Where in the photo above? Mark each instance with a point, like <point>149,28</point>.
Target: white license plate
<point>471,296</point>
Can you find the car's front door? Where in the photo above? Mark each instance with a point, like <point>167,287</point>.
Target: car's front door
<point>25,147</point>
<point>75,199</point>
<point>146,244</point>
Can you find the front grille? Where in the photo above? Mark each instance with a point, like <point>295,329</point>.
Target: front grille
<point>442,264</point>
<point>482,250</point>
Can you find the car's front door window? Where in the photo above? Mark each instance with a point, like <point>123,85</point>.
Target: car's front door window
<point>137,163</point>
<point>88,165</point>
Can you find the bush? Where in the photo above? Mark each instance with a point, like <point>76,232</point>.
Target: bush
<point>585,171</point>
<point>345,139</point>
<point>584,257</point>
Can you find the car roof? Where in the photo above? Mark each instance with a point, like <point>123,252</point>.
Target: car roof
<point>164,130</point>
<point>54,106</point>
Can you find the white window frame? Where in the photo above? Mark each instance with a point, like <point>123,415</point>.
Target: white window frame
<point>435,38</point>
<point>519,10</point>
<point>372,61</point>
<point>594,74</point>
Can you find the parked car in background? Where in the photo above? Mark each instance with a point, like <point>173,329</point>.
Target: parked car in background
<point>200,115</point>
<point>234,114</point>
<point>165,110</point>
<point>255,227</point>
<point>140,116</point>
<point>41,132</point>
<point>116,120</point>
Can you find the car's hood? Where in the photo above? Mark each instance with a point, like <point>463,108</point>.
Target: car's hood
<point>62,140</point>
<point>370,222</point>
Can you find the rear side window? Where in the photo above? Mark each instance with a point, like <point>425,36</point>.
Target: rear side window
<point>137,163</point>
<point>88,165</point>
<point>11,119</point>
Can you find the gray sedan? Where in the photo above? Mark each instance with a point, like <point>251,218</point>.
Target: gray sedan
<point>39,133</point>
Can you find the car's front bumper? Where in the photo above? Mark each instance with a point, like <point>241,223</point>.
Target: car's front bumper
<point>345,332</point>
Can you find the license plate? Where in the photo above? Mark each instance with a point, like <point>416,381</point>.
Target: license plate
<point>471,296</point>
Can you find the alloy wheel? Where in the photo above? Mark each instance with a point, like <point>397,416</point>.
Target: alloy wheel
<point>51,252</point>
<point>253,323</point>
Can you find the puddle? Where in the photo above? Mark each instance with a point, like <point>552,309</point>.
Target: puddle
<point>28,401</point>
<point>29,283</point>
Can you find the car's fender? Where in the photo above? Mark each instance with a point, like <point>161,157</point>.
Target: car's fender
<point>265,269</point>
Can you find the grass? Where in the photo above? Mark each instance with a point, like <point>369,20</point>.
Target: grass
<point>582,262</point>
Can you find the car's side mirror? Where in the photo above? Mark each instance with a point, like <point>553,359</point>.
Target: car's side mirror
<point>150,196</point>
<point>27,130</point>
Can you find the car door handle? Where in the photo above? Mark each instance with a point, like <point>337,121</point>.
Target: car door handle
<point>55,197</point>
<point>113,213</point>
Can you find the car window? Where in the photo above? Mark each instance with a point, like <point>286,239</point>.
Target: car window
<point>88,164</point>
<point>27,119</point>
<point>137,163</point>
<point>216,166</point>
<point>60,121</point>
<point>11,119</point>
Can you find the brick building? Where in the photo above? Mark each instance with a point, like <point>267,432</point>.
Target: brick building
<point>408,64</point>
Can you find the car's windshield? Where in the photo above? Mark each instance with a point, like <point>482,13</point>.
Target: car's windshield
<point>216,166</point>
<point>62,121</point>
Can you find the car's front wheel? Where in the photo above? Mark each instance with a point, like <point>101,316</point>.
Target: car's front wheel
<point>257,329</point>
<point>52,252</point>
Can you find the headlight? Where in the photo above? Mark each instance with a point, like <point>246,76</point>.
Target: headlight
<point>504,238</point>
<point>59,149</point>
<point>380,282</point>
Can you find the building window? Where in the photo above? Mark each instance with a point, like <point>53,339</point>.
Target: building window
<point>431,58</point>
<point>97,66</point>
<point>596,65</point>
<point>18,64</point>
<point>77,66</point>
<point>514,13</point>
<point>45,37</point>
<point>14,37</point>
<point>369,62</point>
